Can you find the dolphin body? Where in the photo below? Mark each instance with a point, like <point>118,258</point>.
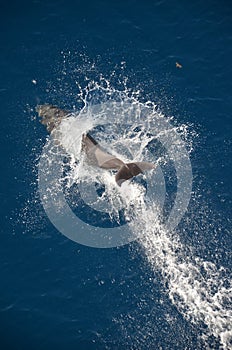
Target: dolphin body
<point>51,117</point>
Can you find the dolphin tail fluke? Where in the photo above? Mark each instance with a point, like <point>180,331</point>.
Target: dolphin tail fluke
<point>129,170</point>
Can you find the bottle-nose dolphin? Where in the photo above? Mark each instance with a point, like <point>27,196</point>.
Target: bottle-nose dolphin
<point>51,117</point>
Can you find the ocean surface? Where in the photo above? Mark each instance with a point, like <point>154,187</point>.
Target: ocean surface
<point>166,290</point>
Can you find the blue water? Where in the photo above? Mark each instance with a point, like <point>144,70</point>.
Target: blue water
<point>57,293</point>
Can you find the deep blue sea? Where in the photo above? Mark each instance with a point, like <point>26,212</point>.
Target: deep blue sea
<point>56,293</point>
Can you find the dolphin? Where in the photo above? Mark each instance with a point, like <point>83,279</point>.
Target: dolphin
<point>51,117</point>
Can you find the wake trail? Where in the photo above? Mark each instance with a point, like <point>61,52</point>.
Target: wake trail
<point>196,287</point>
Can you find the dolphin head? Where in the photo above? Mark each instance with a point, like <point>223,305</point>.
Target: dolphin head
<point>51,116</point>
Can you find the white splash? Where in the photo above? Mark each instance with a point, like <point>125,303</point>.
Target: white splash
<point>195,286</point>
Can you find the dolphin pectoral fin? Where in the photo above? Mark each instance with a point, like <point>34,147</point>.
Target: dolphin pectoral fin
<point>129,170</point>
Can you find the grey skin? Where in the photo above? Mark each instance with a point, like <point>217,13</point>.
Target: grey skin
<point>51,117</point>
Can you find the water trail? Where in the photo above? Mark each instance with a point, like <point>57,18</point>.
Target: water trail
<point>199,290</point>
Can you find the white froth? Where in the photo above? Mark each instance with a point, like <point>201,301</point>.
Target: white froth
<point>198,298</point>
